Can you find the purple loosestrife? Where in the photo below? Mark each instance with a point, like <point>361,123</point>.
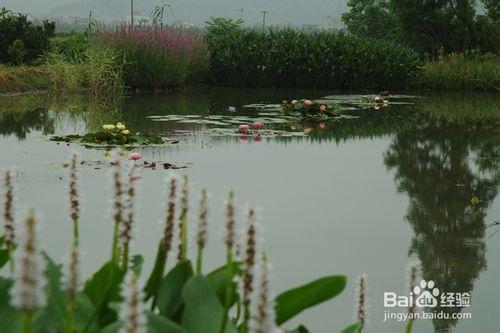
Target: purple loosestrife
<point>132,309</point>
<point>201,239</point>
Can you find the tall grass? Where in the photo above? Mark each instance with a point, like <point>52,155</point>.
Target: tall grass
<point>289,58</point>
<point>159,57</point>
<point>462,71</point>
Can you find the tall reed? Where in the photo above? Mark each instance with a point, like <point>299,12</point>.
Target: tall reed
<point>159,57</point>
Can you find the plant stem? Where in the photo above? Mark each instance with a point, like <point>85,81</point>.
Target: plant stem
<point>125,258</point>
<point>184,237</point>
<point>76,233</point>
<point>27,321</point>
<point>69,315</point>
<point>409,326</point>
<point>229,288</point>
<point>199,260</point>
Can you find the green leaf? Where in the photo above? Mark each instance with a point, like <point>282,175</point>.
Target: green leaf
<point>83,313</point>
<point>294,301</point>
<point>53,315</point>
<point>4,257</point>
<point>170,296</point>
<point>154,281</point>
<point>218,280</point>
<point>103,288</point>
<point>354,328</point>
<point>137,262</point>
<point>9,317</point>
<point>203,312</point>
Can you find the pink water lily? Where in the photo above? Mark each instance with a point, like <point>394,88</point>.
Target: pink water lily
<point>243,128</point>
<point>134,156</point>
<point>231,109</point>
<point>257,125</point>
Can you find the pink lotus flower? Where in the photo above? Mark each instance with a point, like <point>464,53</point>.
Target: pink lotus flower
<point>231,109</point>
<point>243,128</point>
<point>294,101</point>
<point>257,125</point>
<point>134,156</point>
<point>308,102</point>
<point>322,107</point>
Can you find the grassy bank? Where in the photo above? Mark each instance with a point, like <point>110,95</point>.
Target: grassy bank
<point>462,71</point>
<point>23,79</point>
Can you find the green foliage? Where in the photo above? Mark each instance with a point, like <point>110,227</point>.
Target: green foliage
<point>291,58</point>
<point>170,301</point>
<point>493,9</point>
<point>104,66</point>
<point>294,301</point>
<point>462,71</point>
<point>371,18</point>
<point>20,40</point>
<point>107,139</point>
<point>452,25</point>
<point>311,109</point>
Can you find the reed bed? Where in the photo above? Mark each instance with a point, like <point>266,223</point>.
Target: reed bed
<point>462,71</point>
<point>159,57</point>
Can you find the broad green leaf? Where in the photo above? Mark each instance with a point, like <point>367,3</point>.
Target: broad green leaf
<point>218,280</point>
<point>137,262</point>
<point>170,295</point>
<point>294,301</point>
<point>203,312</point>
<point>83,313</point>
<point>354,328</point>
<point>9,317</point>
<point>154,281</point>
<point>4,257</point>
<point>103,288</point>
<point>53,316</point>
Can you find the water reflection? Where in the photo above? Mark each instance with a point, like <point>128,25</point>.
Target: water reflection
<point>450,192</point>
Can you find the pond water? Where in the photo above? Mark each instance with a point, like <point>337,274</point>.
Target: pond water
<point>360,195</point>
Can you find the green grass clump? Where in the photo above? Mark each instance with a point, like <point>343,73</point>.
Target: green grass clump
<point>462,71</point>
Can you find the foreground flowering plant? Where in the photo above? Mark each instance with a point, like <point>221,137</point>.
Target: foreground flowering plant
<point>112,135</point>
<point>309,109</point>
<point>184,298</point>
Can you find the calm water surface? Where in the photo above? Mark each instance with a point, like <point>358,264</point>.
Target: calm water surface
<point>366,196</point>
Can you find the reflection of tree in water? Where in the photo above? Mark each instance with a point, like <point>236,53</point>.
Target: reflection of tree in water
<point>433,166</point>
<point>20,123</point>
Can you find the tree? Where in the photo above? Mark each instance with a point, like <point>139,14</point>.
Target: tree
<point>430,26</point>
<point>371,18</point>
<point>493,9</point>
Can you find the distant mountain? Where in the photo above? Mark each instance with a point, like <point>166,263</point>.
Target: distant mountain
<point>296,12</point>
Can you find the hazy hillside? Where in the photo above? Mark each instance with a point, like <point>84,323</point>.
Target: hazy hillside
<point>297,12</point>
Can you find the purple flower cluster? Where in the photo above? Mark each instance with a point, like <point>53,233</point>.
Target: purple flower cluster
<point>177,41</point>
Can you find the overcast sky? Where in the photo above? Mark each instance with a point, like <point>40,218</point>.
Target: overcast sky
<point>297,12</point>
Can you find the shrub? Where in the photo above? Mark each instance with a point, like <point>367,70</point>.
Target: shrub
<point>289,58</point>
<point>159,57</point>
<point>462,71</point>
<point>16,29</point>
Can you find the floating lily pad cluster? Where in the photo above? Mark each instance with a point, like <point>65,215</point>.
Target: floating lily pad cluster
<point>309,109</point>
<point>111,135</point>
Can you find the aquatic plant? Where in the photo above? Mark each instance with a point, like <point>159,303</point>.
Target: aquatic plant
<point>312,110</point>
<point>112,135</point>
